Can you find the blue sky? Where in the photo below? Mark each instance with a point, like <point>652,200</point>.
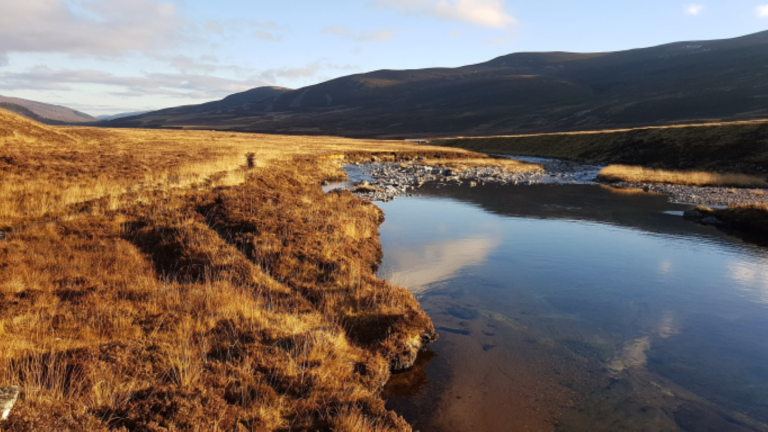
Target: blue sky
<point>109,56</point>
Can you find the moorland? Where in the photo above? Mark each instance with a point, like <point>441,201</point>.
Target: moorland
<point>194,280</point>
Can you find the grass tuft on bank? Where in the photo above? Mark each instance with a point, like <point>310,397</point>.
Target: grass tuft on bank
<point>636,174</point>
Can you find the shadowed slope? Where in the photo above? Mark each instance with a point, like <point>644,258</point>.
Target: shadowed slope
<point>525,92</point>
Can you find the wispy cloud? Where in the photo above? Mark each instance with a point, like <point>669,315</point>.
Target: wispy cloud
<point>266,30</point>
<point>362,36</point>
<point>762,11</point>
<point>694,9</point>
<point>483,13</point>
<point>98,27</point>
<point>193,86</point>
<point>213,27</point>
<point>267,36</point>
<point>195,80</point>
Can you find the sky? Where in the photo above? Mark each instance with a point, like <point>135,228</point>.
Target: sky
<point>111,56</point>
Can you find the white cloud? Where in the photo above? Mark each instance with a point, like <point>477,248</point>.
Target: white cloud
<point>98,27</point>
<point>762,11</point>
<point>483,13</point>
<point>267,36</point>
<point>363,36</point>
<point>192,86</point>
<point>266,31</point>
<point>694,9</point>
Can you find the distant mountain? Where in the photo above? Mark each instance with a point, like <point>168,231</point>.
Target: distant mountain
<point>44,113</point>
<point>517,93</point>
<point>120,115</point>
<point>232,106</point>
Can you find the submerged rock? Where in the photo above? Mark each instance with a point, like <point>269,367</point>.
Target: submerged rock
<point>8,398</point>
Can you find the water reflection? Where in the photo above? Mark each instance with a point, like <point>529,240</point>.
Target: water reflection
<point>436,262</point>
<point>752,277</point>
<point>576,308</point>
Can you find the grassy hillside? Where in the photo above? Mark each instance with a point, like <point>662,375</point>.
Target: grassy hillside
<point>684,82</point>
<point>166,280</point>
<point>740,147</point>
<point>42,112</point>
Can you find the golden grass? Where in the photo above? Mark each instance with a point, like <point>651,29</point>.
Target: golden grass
<point>193,280</point>
<point>634,174</point>
<point>508,165</point>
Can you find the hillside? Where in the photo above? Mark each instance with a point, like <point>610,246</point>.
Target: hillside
<point>44,113</point>
<point>740,147</point>
<point>120,115</point>
<point>519,93</point>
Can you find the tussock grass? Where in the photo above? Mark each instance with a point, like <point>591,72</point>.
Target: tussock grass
<point>508,165</point>
<point>193,280</point>
<point>634,174</point>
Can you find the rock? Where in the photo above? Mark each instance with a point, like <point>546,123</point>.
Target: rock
<point>472,184</point>
<point>711,221</point>
<point>8,398</point>
<point>692,214</point>
<point>2,235</point>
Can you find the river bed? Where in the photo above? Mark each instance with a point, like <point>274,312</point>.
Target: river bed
<point>577,308</point>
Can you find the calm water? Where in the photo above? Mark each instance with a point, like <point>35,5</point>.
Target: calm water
<point>577,308</point>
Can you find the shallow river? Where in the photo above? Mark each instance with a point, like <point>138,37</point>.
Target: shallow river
<point>574,307</point>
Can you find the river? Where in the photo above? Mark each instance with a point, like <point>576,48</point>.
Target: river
<point>577,308</point>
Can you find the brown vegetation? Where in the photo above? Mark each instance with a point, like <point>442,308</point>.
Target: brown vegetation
<point>748,221</point>
<point>635,174</point>
<point>716,147</point>
<point>508,165</point>
<point>173,280</point>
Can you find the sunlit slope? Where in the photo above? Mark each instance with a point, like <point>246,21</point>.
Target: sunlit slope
<point>43,112</point>
<point>525,92</point>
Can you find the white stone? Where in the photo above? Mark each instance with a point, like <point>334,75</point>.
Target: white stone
<point>8,398</point>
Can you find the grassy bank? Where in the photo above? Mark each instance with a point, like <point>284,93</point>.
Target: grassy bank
<point>155,280</point>
<point>749,221</point>
<point>740,147</point>
<point>633,174</point>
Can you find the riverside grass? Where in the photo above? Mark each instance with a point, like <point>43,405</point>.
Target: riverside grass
<point>635,174</point>
<point>740,147</point>
<point>190,280</point>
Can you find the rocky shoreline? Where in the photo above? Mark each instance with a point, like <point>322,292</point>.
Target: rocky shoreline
<point>385,181</point>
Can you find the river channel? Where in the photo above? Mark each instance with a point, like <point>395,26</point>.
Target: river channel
<point>577,308</point>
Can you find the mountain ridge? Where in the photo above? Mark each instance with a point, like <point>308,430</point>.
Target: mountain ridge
<point>680,82</point>
<point>43,112</point>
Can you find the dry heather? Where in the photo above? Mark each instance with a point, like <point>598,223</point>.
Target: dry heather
<point>635,174</point>
<point>171,280</point>
<point>508,165</point>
